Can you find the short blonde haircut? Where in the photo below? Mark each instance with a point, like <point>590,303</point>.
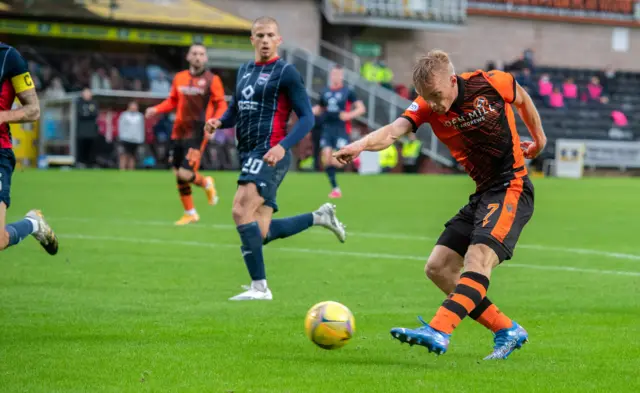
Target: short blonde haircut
<point>433,63</point>
<point>264,20</point>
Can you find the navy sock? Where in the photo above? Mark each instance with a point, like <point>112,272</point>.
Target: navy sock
<point>285,227</point>
<point>331,172</point>
<point>18,231</point>
<point>252,249</point>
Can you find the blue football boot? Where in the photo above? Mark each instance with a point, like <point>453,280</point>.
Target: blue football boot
<point>507,341</point>
<point>426,336</point>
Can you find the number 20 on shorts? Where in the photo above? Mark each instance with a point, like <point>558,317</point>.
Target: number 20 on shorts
<point>252,166</point>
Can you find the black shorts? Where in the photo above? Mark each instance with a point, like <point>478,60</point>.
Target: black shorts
<point>178,152</point>
<point>494,217</point>
<point>129,148</point>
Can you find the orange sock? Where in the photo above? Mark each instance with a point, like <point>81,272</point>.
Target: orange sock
<point>469,292</point>
<point>490,316</point>
<point>198,180</point>
<point>185,195</point>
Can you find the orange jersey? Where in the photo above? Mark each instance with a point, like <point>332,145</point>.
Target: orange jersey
<point>195,98</point>
<point>479,129</point>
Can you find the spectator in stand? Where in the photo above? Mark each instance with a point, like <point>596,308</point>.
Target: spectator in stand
<point>131,134</point>
<point>619,128</point>
<point>402,91</point>
<point>117,83</point>
<point>619,118</point>
<point>545,87</point>
<point>159,83</point>
<point>378,72</point>
<point>594,90</point>
<point>608,81</point>
<point>527,57</point>
<point>99,80</point>
<point>556,99</point>
<point>55,89</point>
<point>570,90</point>
<point>136,85</point>
<point>526,80</point>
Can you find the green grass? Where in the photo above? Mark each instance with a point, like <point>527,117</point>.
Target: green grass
<point>134,304</point>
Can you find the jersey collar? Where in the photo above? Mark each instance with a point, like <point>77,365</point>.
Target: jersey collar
<point>262,63</point>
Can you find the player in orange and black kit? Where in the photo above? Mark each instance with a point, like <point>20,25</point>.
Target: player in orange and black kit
<point>473,114</point>
<point>196,95</point>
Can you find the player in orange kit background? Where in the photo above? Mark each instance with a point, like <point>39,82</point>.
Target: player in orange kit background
<point>196,94</point>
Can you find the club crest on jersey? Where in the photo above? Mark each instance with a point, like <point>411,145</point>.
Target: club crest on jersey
<point>202,82</point>
<point>480,102</point>
<point>263,78</point>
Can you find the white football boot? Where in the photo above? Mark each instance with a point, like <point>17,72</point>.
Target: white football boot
<point>326,217</point>
<point>253,293</point>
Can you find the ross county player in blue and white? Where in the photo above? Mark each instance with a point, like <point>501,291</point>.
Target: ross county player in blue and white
<point>336,104</point>
<point>267,89</point>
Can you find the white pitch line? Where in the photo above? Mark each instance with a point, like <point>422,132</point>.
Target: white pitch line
<point>331,252</point>
<point>390,236</point>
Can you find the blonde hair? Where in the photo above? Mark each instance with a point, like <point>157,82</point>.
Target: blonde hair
<point>264,20</point>
<point>434,62</point>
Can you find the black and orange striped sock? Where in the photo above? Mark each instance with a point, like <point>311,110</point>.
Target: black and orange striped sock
<point>184,189</point>
<point>469,292</point>
<point>490,316</point>
<point>198,180</point>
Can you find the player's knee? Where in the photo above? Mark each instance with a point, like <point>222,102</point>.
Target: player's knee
<point>184,174</point>
<point>435,268</point>
<point>238,211</point>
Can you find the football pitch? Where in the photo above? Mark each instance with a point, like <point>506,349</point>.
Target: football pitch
<point>133,304</point>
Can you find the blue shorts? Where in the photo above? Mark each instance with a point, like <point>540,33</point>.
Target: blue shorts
<point>335,138</point>
<point>266,178</point>
<point>7,165</point>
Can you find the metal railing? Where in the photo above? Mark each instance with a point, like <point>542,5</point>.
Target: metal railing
<point>383,106</point>
<point>345,58</point>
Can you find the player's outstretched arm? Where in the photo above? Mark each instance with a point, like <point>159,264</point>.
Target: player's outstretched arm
<point>16,68</point>
<point>529,114</point>
<point>375,141</point>
<point>168,105</point>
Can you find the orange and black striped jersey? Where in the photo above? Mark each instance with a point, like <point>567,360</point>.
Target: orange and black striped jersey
<point>479,129</point>
<point>195,98</point>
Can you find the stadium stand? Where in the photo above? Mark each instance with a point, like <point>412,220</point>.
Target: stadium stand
<point>396,13</point>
